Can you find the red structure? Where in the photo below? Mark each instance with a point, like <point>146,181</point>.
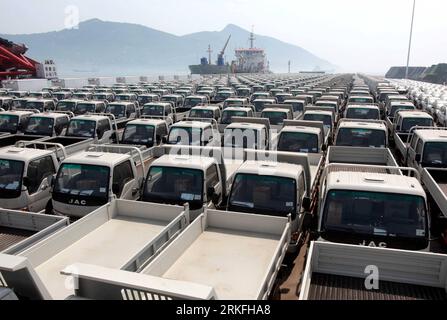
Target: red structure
<point>13,62</point>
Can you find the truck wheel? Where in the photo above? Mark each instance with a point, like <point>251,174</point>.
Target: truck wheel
<point>49,208</point>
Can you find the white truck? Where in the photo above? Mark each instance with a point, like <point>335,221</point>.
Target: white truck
<point>194,132</point>
<point>89,179</point>
<point>404,124</point>
<point>99,127</point>
<point>145,132</point>
<point>247,133</point>
<point>198,175</point>
<point>14,121</point>
<point>302,136</point>
<point>162,110</point>
<point>365,199</point>
<point>123,112</point>
<point>119,235</point>
<point>27,170</point>
<point>323,114</point>
<point>230,112</point>
<point>278,184</point>
<point>221,255</point>
<point>49,124</point>
<point>339,272</point>
<point>19,231</point>
<point>205,112</point>
<point>361,133</point>
<point>277,114</point>
<point>393,108</point>
<point>364,112</point>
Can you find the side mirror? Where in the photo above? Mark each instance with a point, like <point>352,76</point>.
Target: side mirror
<point>212,195</point>
<point>26,182</point>
<point>99,133</point>
<point>51,180</point>
<point>116,188</point>
<point>417,158</point>
<point>324,148</point>
<point>306,203</point>
<point>330,141</point>
<point>164,139</point>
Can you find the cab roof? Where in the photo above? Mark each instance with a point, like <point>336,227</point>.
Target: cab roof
<point>22,154</point>
<point>245,125</point>
<point>363,125</point>
<point>184,161</point>
<point>270,168</point>
<point>414,114</point>
<point>154,122</point>
<point>97,158</point>
<point>432,135</point>
<point>191,123</point>
<point>374,182</point>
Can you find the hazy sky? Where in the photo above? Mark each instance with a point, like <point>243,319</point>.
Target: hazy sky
<point>357,35</point>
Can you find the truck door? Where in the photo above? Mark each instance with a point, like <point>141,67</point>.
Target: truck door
<point>213,182</point>
<point>104,131</point>
<point>124,184</point>
<point>38,173</point>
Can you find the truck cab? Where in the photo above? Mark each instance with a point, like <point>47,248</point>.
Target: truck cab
<point>205,112</point>
<point>230,112</point>
<point>247,133</point>
<point>147,98</point>
<point>277,114</point>
<point>427,148</point>
<point>40,94</point>
<point>123,110</point>
<point>372,206</point>
<point>327,117</point>
<point>175,99</point>
<point>41,105</point>
<point>14,121</point>
<point>68,105</point>
<point>297,104</point>
<point>194,133</point>
<point>104,96</point>
<point>360,100</point>
<point>162,110</point>
<point>260,104</point>
<point>90,179</point>
<point>363,112</point>
<point>98,127</point>
<point>83,95</point>
<point>47,124</point>
<point>6,103</point>
<point>25,175</point>
<point>84,107</point>
<point>367,133</point>
<point>328,103</point>
<point>235,102</point>
<point>404,120</point>
<point>192,101</point>
<point>394,107</point>
<point>260,96</point>
<point>302,136</point>
<point>145,132</point>
<point>62,95</point>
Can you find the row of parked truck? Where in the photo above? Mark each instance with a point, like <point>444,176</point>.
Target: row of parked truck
<point>204,219</point>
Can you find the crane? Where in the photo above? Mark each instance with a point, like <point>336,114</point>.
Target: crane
<point>220,56</point>
<point>13,62</point>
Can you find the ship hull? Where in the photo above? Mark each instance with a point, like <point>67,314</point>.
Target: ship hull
<point>209,69</point>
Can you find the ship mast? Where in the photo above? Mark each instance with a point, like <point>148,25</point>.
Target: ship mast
<point>252,37</point>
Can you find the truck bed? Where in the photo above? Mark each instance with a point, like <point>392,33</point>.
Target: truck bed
<point>111,236</point>
<point>334,287</point>
<point>215,251</point>
<point>111,245</point>
<point>366,156</point>
<point>12,236</point>
<point>337,271</point>
<point>11,140</point>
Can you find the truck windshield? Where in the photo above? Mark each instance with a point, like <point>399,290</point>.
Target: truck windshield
<point>297,106</point>
<point>38,105</point>
<point>262,194</point>
<point>11,175</point>
<point>260,105</point>
<point>66,106</point>
<point>275,117</point>
<point>435,155</point>
<point>298,142</point>
<point>155,110</point>
<point>409,123</point>
<point>192,102</point>
<point>326,119</point>
<point>82,184</point>
<point>375,214</point>
<point>361,100</point>
<point>363,113</point>
<point>122,98</point>
<point>201,113</point>
<point>144,99</point>
<point>118,110</point>
<point>174,186</point>
<point>139,134</point>
<point>9,123</point>
<point>83,108</point>
<point>394,109</point>
<point>355,137</point>
<point>228,114</point>
<point>185,136</point>
<point>40,126</point>
<point>19,103</point>
<point>81,128</point>
<point>241,138</point>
